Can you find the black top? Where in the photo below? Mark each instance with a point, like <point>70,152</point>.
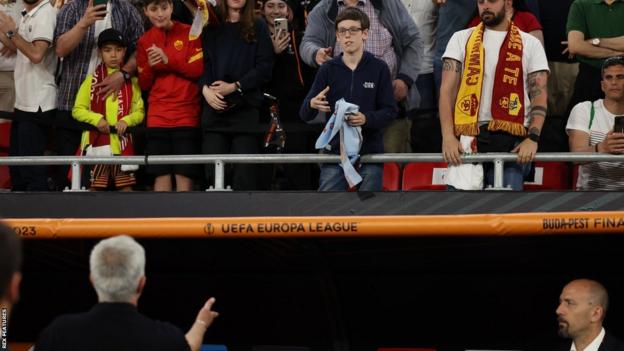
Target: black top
<point>110,326</point>
<point>292,78</point>
<point>228,57</point>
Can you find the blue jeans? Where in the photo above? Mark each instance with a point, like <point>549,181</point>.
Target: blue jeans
<point>332,177</point>
<point>454,15</point>
<point>513,174</point>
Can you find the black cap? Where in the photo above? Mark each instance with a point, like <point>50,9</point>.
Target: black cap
<point>110,35</point>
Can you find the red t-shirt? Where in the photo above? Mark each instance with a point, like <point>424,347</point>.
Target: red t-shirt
<point>174,96</point>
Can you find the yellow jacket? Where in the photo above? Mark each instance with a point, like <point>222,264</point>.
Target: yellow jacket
<point>82,111</point>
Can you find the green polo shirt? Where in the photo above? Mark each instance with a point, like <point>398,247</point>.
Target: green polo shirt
<point>596,19</point>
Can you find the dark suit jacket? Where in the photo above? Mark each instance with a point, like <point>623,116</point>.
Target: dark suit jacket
<point>110,326</point>
<point>609,343</point>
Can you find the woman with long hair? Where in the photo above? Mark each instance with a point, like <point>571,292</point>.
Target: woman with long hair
<point>238,60</point>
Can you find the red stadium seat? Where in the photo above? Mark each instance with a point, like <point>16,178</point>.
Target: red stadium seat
<point>550,176</point>
<point>5,135</point>
<point>391,177</point>
<point>5,178</point>
<point>424,176</point>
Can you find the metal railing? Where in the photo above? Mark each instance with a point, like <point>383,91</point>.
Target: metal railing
<point>220,161</point>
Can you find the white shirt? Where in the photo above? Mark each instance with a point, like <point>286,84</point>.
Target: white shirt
<point>533,60</point>
<point>594,345</point>
<point>13,9</point>
<point>596,175</point>
<point>34,83</point>
<point>425,15</point>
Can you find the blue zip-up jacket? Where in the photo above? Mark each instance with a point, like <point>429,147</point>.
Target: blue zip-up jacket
<point>369,86</point>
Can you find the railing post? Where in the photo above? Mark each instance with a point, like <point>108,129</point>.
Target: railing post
<point>76,176</point>
<point>219,175</point>
<point>498,175</point>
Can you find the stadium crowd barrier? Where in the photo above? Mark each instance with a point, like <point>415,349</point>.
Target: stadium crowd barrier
<point>220,161</point>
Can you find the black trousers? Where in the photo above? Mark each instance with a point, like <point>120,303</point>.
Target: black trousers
<point>241,176</point>
<point>29,132</point>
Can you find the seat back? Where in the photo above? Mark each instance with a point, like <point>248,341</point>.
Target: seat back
<point>424,176</point>
<point>550,176</point>
<point>391,176</point>
<point>5,135</point>
<point>5,177</point>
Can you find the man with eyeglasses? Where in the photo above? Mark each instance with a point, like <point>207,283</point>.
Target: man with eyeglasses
<point>591,129</point>
<point>359,78</point>
<point>393,37</point>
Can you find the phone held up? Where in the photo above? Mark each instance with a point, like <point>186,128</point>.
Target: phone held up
<point>99,2</point>
<point>281,24</point>
<point>618,126</point>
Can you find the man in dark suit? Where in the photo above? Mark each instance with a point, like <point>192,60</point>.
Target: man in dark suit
<point>117,268</point>
<point>582,308</point>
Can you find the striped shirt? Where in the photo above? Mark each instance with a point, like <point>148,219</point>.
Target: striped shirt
<point>125,18</point>
<point>596,175</point>
<point>379,42</point>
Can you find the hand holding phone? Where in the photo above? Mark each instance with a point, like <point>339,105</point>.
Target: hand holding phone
<point>96,10</point>
<point>281,24</point>
<point>618,125</point>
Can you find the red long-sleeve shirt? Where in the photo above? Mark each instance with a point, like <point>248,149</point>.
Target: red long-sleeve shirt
<point>174,96</point>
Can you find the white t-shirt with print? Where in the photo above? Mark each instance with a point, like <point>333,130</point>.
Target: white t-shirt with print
<point>533,60</point>
<point>596,175</point>
<point>34,83</point>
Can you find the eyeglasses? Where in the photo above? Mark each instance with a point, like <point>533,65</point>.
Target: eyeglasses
<point>352,30</point>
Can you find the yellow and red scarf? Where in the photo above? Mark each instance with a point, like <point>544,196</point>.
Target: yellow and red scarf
<point>508,93</point>
<point>98,104</point>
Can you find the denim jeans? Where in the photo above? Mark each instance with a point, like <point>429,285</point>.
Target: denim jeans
<point>454,15</point>
<point>332,177</point>
<point>513,174</point>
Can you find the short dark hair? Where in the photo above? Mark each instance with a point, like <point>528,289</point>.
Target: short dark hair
<point>353,14</point>
<point>611,61</point>
<point>157,2</point>
<point>10,257</point>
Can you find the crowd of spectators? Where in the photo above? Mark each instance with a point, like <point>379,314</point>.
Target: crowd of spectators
<point>206,94</point>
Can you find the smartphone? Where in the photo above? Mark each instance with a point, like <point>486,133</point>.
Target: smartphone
<point>618,126</point>
<point>99,2</point>
<point>281,24</point>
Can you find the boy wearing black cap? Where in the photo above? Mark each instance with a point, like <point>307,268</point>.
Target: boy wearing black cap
<point>119,111</point>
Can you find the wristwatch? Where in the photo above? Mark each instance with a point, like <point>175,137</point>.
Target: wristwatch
<point>534,137</point>
<point>10,34</point>
<point>595,41</point>
<point>126,75</point>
